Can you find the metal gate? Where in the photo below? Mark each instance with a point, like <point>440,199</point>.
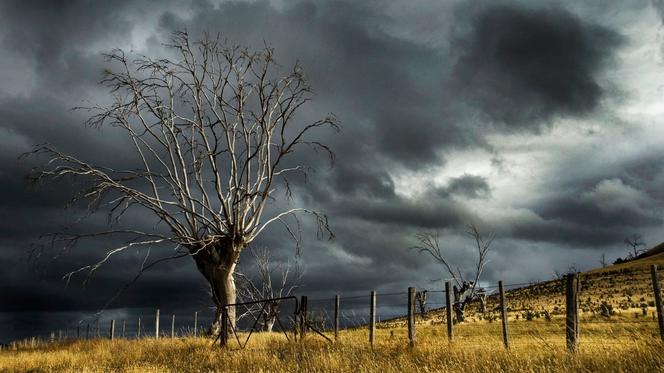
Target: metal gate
<point>301,323</point>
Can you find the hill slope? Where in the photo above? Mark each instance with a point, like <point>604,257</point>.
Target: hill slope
<point>617,291</point>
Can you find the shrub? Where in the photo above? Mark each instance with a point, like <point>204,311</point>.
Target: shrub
<point>606,310</point>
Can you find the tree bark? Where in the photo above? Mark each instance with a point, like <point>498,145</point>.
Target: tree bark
<point>217,264</point>
<point>459,312</point>
<point>482,304</point>
<point>269,324</point>
<point>270,315</point>
<point>459,304</point>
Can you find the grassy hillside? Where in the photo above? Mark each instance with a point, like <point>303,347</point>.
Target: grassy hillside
<point>625,341</point>
<point>621,292</point>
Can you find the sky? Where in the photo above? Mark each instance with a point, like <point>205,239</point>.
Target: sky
<point>538,121</point>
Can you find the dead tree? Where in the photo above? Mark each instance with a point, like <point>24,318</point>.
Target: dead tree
<point>271,281</point>
<point>481,297</point>
<point>465,288</point>
<point>421,299</point>
<point>211,130</point>
<point>602,260</point>
<point>636,245</point>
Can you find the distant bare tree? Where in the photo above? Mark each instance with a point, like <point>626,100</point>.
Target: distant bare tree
<point>271,281</point>
<point>421,299</point>
<point>636,245</point>
<point>211,131</point>
<point>466,289</point>
<point>558,275</point>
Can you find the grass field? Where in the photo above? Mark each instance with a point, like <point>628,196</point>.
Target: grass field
<point>536,346</point>
<point>625,341</point>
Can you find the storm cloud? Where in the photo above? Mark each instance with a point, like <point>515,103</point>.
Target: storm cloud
<point>523,67</point>
<point>534,120</point>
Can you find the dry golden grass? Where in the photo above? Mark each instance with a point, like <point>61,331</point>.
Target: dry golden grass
<point>625,342</point>
<point>537,346</point>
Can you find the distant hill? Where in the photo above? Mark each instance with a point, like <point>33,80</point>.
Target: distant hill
<point>622,290</point>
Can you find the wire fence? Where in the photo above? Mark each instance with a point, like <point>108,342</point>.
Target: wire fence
<point>501,315</point>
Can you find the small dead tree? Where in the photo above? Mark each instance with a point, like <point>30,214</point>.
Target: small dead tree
<point>602,260</point>
<point>466,288</point>
<point>212,131</point>
<point>635,244</point>
<point>481,297</point>
<point>421,299</point>
<point>271,281</point>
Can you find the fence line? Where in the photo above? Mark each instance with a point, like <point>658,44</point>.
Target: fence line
<point>305,317</point>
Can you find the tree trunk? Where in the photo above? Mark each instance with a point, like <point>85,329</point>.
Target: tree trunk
<point>458,304</point>
<point>459,312</point>
<point>217,264</point>
<point>270,316</point>
<point>482,304</point>
<point>269,323</point>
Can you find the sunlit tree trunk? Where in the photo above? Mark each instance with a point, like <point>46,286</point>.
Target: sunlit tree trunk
<point>217,264</point>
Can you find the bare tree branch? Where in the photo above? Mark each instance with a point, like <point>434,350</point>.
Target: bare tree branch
<point>464,291</point>
<point>212,132</point>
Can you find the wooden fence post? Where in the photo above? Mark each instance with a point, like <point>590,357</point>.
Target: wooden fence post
<point>448,311</point>
<point>572,316</point>
<point>336,317</point>
<point>78,332</point>
<point>156,325</point>
<point>112,329</point>
<point>372,318</point>
<point>411,316</point>
<point>195,324</point>
<point>87,331</point>
<point>296,319</point>
<point>303,317</point>
<point>658,299</point>
<point>223,338</point>
<point>173,326</point>
<point>123,328</point>
<point>503,312</point>
<point>138,329</point>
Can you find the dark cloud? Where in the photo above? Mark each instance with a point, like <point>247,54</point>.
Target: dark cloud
<point>406,100</point>
<point>471,186</point>
<point>593,213</point>
<point>522,67</point>
<point>353,179</point>
<point>386,91</point>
